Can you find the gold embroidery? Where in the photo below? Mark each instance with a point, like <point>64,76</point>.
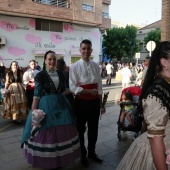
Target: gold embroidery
<point>156,132</point>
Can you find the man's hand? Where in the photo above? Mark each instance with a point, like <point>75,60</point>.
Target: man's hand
<point>94,92</point>
<point>102,110</point>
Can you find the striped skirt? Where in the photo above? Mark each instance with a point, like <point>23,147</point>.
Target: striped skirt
<point>53,147</point>
<point>14,104</point>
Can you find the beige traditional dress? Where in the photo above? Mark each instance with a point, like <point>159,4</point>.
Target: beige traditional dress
<point>14,104</point>
<point>156,109</point>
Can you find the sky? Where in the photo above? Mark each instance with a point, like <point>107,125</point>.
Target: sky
<point>142,12</point>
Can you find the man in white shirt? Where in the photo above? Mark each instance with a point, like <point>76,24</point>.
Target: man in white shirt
<point>85,82</point>
<point>109,68</point>
<point>126,75</point>
<point>28,81</point>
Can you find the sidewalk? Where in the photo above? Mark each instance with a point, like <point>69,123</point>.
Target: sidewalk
<point>108,147</point>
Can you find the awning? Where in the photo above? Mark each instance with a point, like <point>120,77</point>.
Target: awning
<point>43,51</point>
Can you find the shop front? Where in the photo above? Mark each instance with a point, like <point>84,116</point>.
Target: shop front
<point>24,42</point>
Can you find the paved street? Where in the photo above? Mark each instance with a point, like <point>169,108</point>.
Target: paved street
<point>108,147</point>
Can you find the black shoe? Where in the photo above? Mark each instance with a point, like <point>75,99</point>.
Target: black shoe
<point>95,158</point>
<point>84,161</point>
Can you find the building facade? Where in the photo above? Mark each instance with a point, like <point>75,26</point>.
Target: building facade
<point>29,28</point>
<point>142,33</point>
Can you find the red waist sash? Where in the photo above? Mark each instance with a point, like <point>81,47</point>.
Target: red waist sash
<point>30,86</point>
<point>88,96</point>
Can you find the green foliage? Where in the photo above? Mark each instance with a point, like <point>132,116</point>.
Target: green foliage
<point>154,35</point>
<point>120,42</point>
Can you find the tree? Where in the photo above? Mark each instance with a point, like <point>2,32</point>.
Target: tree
<point>132,42</point>
<point>154,35</point>
<point>120,42</point>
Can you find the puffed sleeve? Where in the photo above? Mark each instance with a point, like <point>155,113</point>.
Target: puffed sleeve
<point>38,90</point>
<point>156,116</point>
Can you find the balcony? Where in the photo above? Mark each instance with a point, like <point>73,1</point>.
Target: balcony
<point>106,2</point>
<point>60,3</point>
<point>106,24</point>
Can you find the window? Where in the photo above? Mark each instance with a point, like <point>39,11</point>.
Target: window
<point>49,25</point>
<point>61,3</point>
<point>141,47</point>
<point>87,7</point>
<point>105,15</point>
<point>45,25</point>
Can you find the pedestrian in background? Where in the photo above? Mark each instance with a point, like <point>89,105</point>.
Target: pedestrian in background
<point>2,71</point>
<point>61,66</point>
<point>146,64</point>
<point>126,75</point>
<point>28,81</point>
<point>109,68</point>
<point>37,67</point>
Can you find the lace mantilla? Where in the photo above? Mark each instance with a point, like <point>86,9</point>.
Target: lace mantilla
<point>161,90</point>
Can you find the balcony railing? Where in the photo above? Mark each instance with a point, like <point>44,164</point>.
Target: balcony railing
<point>60,3</point>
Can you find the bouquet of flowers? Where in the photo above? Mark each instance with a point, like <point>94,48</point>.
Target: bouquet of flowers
<point>4,92</point>
<point>37,116</point>
<point>105,96</point>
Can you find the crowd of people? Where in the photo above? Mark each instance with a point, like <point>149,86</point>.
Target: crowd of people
<point>127,72</point>
<point>60,105</point>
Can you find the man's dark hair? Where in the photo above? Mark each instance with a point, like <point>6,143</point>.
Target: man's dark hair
<point>147,58</point>
<point>86,42</point>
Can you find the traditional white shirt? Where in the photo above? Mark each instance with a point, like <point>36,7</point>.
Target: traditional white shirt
<point>29,75</point>
<point>109,68</point>
<point>82,73</point>
<point>126,74</point>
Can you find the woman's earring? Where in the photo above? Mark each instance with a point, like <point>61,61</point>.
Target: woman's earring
<point>166,68</point>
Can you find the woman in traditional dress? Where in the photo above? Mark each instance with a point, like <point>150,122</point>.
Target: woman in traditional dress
<point>148,151</point>
<point>56,143</point>
<point>14,104</point>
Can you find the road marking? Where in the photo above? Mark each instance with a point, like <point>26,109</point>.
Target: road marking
<point>5,127</point>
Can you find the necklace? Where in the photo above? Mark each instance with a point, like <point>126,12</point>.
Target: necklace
<point>167,79</point>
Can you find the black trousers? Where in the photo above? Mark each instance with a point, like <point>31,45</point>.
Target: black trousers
<point>30,94</point>
<point>87,112</point>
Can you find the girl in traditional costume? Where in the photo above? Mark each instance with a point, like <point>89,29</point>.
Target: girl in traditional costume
<point>148,151</point>
<point>14,104</point>
<point>54,143</point>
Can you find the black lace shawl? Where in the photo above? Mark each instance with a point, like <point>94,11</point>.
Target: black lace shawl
<point>46,84</point>
<point>161,90</point>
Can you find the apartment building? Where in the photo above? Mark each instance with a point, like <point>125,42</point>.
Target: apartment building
<point>142,33</point>
<point>29,28</point>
